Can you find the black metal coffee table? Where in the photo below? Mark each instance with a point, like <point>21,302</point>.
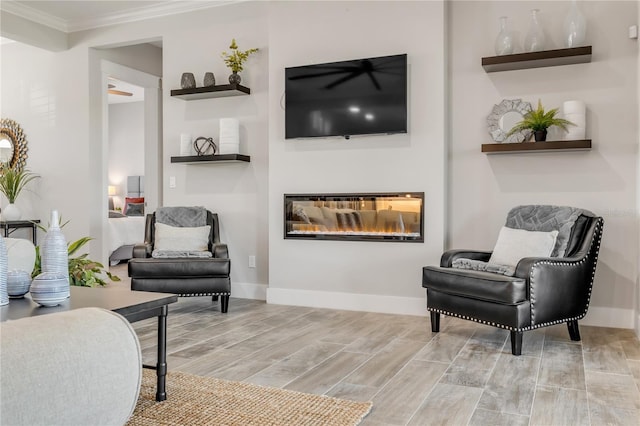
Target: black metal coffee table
<point>133,305</point>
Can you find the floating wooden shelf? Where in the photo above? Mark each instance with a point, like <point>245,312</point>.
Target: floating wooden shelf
<point>545,58</point>
<point>221,91</point>
<point>512,148</point>
<point>207,159</point>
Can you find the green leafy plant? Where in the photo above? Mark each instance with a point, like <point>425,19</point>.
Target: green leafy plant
<point>13,181</point>
<point>236,58</point>
<point>538,120</point>
<point>82,271</point>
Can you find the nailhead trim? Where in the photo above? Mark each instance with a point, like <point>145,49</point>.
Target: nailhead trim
<point>203,294</point>
<point>596,239</point>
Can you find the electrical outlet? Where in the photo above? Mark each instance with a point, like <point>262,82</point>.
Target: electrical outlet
<point>633,32</point>
<point>252,261</point>
<point>172,181</point>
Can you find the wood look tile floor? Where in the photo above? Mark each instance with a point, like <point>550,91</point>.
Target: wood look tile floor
<point>463,375</point>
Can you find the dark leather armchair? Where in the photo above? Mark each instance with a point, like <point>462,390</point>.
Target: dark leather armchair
<point>183,276</point>
<point>542,291</point>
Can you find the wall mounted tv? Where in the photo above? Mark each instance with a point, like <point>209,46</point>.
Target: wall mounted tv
<point>357,97</point>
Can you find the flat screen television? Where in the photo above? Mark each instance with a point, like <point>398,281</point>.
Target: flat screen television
<point>356,97</point>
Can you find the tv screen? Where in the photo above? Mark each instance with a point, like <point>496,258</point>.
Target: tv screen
<point>357,97</point>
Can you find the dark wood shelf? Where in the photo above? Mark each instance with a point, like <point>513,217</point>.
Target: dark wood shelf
<point>206,159</point>
<point>512,148</point>
<point>545,58</point>
<point>221,91</point>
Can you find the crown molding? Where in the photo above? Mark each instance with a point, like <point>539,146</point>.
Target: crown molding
<point>171,7</point>
<point>34,15</point>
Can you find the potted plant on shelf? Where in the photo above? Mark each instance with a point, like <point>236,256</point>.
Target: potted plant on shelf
<point>235,59</point>
<point>12,182</point>
<point>539,121</point>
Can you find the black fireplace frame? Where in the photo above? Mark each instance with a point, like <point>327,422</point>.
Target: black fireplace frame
<point>288,214</point>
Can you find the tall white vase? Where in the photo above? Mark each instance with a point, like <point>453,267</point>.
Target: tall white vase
<point>575,27</point>
<point>4,266</point>
<point>53,251</point>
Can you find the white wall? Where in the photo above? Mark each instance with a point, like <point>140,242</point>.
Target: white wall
<point>357,275</point>
<point>52,98</point>
<point>126,145</point>
<point>603,180</point>
<point>48,99</point>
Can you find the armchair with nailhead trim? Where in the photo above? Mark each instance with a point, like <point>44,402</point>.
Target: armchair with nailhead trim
<point>538,292</point>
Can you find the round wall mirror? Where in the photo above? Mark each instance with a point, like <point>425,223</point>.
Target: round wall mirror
<point>13,145</point>
<point>504,116</point>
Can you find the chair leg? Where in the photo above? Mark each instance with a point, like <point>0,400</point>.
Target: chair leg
<point>224,304</point>
<point>516,342</point>
<point>435,322</point>
<point>574,332</point>
<point>214,298</point>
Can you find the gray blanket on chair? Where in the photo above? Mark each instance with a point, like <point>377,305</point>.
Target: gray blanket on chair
<point>182,216</point>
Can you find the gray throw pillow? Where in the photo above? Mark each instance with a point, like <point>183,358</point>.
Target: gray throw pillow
<point>115,214</point>
<point>135,209</point>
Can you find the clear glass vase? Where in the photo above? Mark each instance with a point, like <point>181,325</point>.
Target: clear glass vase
<point>535,39</point>
<point>575,27</point>
<point>504,41</point>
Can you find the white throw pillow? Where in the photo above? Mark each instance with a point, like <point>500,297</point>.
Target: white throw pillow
<point>176,238</point>
<point>514,244</point>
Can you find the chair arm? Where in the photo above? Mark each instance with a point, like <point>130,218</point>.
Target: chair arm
<point>142,250</point>
<point>450,255</point>
<point>558,288</point>
<point>220,251</point>
<point>78,367</point>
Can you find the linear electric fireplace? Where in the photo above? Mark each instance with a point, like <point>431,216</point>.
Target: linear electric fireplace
<point>384,216</point>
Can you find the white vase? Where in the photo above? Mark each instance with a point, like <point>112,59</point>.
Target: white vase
<point>4,266</point>
<point>504,41</point>
<point>11,212</point>
<point>53,251</point>
<point>575,112</point>
<point>535,38</point>
<point>575,27</point>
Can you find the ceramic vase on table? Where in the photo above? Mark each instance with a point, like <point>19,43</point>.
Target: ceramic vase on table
<point>504,41</point>
<point>50,288</point>
<point>534,41</point>
<point>575,27</point>
<point>53,251</point>
<point>11,212</point>
<point>18,283</point>
<point>4,295</point>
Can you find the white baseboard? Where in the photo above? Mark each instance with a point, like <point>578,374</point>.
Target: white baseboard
<point>609,317</point>
<point>249,291</point>
<point>348,301</point>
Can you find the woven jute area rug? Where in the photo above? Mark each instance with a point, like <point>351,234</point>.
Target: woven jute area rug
<point>195,400</point>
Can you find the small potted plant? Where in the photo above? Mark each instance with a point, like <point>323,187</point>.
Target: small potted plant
<point>12,182</point>
<point>235,59</point>
<point>539,121</point>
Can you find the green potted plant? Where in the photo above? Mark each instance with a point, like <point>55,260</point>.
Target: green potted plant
<point>539,121</point>
<point>12,182</point>
<point>235,59</point>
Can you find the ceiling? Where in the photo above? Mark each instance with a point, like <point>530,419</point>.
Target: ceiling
<point>137,92</point>
<point>70,16</point>
<point>79,15</point>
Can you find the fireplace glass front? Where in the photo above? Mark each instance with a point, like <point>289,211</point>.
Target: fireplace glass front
<point>388,216</point>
